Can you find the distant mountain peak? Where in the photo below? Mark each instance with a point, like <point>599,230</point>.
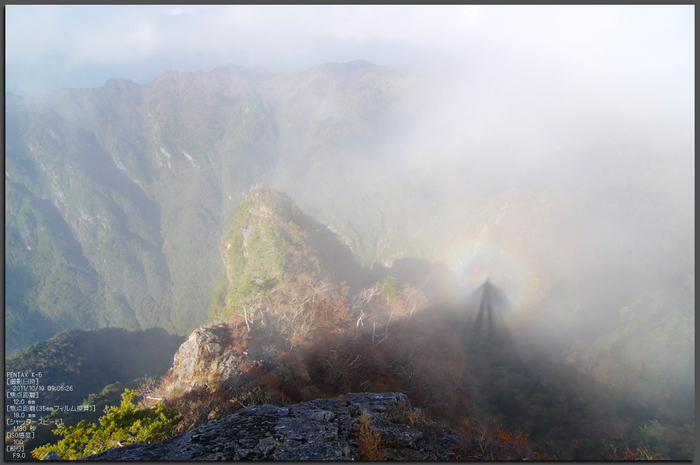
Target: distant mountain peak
<point>348,66</point>
<point>254,73</point>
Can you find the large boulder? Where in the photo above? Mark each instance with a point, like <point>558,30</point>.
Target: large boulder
<point>323,429</point>
<point>203,360</point>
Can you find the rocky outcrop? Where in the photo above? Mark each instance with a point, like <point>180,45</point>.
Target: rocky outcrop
<point>323,429</point>
<point>203,360</point>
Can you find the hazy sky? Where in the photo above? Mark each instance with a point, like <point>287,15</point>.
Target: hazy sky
<point>83,46</point>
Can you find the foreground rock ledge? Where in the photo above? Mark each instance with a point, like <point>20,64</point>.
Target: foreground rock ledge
<point>323,429</point>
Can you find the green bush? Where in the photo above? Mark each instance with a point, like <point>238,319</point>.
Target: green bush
<point>119,426</point>
<point>390,286</point>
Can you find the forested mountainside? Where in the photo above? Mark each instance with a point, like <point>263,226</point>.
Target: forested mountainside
<point>271,244</point>
<point>116,196</point>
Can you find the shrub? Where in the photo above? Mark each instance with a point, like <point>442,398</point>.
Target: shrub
<point>494,443</point>
<point>118,427</point>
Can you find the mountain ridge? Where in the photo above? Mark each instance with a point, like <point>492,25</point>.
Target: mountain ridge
<point>203,132</point>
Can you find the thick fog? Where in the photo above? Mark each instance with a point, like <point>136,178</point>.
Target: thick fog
<point>610,150</point>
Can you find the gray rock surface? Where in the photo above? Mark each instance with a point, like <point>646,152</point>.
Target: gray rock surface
<point>204,359</point>
<point>323,429</point>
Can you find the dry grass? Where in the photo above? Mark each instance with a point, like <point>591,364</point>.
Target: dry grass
<point>416,418</point>
<point>369,441</point>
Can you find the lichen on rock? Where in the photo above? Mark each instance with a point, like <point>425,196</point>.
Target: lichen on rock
<point>323,429</point>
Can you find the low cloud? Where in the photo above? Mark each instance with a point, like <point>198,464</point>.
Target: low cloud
<point>591,44</point>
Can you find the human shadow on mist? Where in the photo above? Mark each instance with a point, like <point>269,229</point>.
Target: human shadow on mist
<point>476,315</point>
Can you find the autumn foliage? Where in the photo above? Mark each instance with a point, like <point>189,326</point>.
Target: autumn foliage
<point>492,443</point>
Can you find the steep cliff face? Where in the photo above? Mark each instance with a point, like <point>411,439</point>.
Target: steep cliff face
<point>323,429</point>
<point>270,244</point>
